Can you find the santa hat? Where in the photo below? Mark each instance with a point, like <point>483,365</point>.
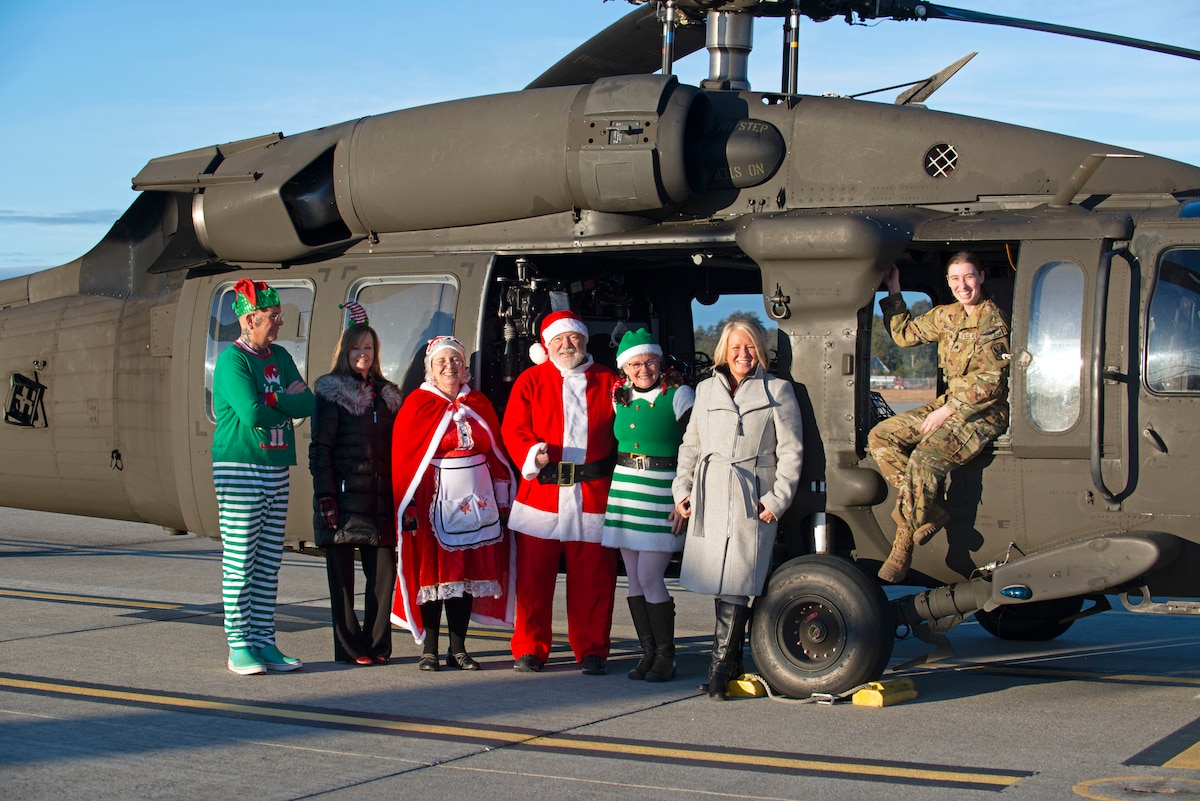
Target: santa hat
<point>357,315</point>
<point>251,296</point>
<point>559,322</point>
<point>636,343</point>
<point>441,343</point>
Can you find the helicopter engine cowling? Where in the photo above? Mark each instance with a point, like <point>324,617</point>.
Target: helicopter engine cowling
<point>625,144</point>
<point>615,146</point>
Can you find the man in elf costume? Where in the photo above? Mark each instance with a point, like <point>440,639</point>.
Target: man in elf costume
<point>257,391</point>
<point>558,429</point>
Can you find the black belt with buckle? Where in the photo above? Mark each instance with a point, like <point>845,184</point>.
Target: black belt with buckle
<point>567,474</point>
<point>639,462</point>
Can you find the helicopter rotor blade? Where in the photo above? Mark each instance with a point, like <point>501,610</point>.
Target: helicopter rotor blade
<point>931,11</point>
<point>630,46</point>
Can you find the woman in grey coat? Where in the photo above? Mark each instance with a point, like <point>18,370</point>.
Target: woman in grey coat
<point>739,465</point>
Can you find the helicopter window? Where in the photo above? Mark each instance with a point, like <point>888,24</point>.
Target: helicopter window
<point>1052,384</point>
<point>1173,340</point>
<point>407,313</point>
<point>296,299</point>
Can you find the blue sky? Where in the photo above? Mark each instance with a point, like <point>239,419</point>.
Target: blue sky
<point>91,91</point>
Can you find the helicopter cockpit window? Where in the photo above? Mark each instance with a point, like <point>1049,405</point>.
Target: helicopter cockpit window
<point>1173,333</point>
<point>1052,383</point>
<point>296,298</point>
<point>407,313</point>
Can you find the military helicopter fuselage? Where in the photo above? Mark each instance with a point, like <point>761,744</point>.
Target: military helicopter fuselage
<point>630,199</point>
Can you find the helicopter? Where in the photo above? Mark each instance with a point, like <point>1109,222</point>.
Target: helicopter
<point>610,187</point>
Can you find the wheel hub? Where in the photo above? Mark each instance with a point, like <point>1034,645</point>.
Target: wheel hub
<point>812,633</point>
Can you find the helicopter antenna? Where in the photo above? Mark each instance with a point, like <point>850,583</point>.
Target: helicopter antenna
<point>790,82</point>
<point>921,92</point>
<point>922,89</point>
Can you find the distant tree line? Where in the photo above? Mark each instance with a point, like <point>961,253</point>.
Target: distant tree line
<point>913,363</point>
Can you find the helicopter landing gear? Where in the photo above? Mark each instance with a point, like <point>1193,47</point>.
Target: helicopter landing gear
<point>823,626</point>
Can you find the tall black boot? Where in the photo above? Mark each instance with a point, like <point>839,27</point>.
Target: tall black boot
<point>737,646</point>
<point>458,618</point>
<point>662,623</point>
<point>641,624</point>
<point>431,616</point>
<point>731,626</point>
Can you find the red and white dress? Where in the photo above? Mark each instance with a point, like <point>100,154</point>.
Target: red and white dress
<point>451,482</point>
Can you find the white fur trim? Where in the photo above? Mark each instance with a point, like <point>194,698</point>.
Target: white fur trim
<point>640,350</point>
<point>564,326</point>
<point>584,527</point>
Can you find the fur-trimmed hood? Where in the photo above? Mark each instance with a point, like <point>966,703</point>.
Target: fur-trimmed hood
<point>353,394</point>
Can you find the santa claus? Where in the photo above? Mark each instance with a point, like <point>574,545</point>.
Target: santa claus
<point>558,429</point>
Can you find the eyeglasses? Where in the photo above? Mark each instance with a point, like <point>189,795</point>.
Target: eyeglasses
<point>646,365</point>
<point>276,318</point>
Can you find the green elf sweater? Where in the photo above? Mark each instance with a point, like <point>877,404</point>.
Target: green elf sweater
<point>254,414</point>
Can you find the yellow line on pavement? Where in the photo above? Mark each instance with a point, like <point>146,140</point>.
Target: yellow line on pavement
<point>86,599</point>
<point>1188,759</point>
<point>474,732</point>
<point>791,763</point>
<point>260,710</point>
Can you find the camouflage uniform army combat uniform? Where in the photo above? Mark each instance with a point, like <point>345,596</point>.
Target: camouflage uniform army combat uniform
<point>973,355</point>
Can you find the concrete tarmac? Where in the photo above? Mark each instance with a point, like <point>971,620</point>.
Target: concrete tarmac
<point>113,685</point>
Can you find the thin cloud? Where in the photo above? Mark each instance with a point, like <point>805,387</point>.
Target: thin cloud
<point>94,217</point>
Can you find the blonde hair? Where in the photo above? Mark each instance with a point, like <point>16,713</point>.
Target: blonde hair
<point>750,329</point>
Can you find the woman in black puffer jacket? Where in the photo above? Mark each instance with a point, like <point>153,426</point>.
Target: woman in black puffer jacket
<point>350,462</point>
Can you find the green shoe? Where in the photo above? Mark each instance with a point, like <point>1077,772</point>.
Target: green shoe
<point>244,662</point>
<point>273,659</point>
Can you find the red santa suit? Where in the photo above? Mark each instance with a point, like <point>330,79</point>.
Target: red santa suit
<point>571,412</point>
<point>426,429</point>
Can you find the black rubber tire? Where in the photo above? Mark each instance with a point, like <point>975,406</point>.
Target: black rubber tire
<point>1036,621</point>
<point>821,627</point>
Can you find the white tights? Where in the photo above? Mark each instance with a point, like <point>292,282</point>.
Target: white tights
<point>645,570</point>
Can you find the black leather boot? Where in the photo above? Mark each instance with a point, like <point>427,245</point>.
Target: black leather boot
<point>662,623</point>
<point>737,646</point>
<point>730,630</point>
<point>641,624</point>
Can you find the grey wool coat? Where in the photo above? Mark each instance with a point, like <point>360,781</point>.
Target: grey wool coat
<point>738,450</point>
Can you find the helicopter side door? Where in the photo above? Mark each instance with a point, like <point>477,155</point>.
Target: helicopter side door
<point>1068,420</point>
<point>1166,378</point>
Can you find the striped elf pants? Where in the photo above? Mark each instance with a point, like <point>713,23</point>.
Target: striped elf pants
<point>252,505</point>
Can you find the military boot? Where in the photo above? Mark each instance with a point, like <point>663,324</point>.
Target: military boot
<point>896,566</point>
<point>937,519</point>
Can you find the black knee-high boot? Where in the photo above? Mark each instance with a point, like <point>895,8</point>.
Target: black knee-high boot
<point>662,623</point>
<point>728,639</point>
<point>737,646</point>
<point>458,619</point>
<point>431,617</point>
<point>641,624</point>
